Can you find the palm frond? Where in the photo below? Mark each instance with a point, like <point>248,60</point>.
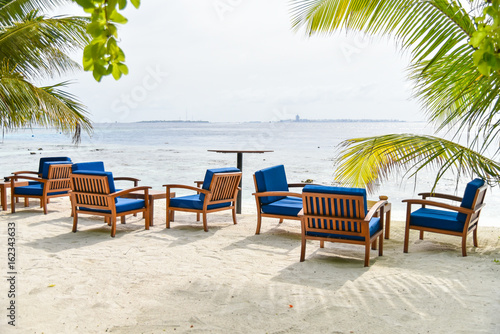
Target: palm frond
<point>24,105</point>
<point>363,161</point>
<point>433,27</point>
<point>11,10</point>
<point>39,46</point>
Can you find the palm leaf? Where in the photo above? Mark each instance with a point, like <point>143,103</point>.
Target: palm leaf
<point>24,105</point>
<point>363,161</point>
<point>39,46</point>
<point>11,10</point>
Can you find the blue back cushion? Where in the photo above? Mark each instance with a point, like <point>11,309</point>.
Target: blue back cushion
<point>210,174</point>
<point>271,179</point>
<point>43,160</point>
<point>109,175</point>
<point>337,190</point>
<point>468,199</point>
<point>47,164</point>
<point>97,166</point>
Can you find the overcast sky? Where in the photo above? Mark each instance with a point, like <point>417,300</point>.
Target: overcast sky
<point>239,60</point>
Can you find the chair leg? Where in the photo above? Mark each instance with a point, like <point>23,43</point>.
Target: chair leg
<point>197,217</point>
<point>381,246</point>
<point>474,236</point>
<point>147,219</point>
<point>464,245</point>
<point>123,221</point>
<point>234,216</point>
<point>407,229</point>
<point>303,249</point>
<point>367,254</point>
<point>205,227</point>
<point>75,221</point>
<point>26,202</point>
<point>281,220</point>
<point>387,224</point>
<point>374,245</point>
<point>421,235</point>
<point>407,237</point>
<point>168,217</point>
<point>321,244</point>
<point>45,206</point>
<point>259,220</point>
<point>113,226</point>
<point>12,203</point>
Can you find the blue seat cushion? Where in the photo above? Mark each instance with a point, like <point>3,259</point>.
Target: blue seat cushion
<point>35,189</point>
<point>374,226</point>
<point>122,205</point>
<point>194,202</point>
<point>439,219</point>
<point>271,179</point>
<point>47,164</point>
<point>288,206</point>
<point>47,159</point>
<point>469,195</point>
<point>97,166</point>
<point>210,174</point>
<point>339,191</point>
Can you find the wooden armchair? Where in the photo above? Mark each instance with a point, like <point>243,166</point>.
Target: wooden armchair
<point>41,163</point>
<point>219,192</point>
<point>94,193</point>
<point>454,220</point>
<point>53,182</point>
<point>338,214</point>
<point>98,166</point>
<point>272,195</point>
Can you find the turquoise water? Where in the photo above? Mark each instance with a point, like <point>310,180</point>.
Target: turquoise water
<point>161,153</point>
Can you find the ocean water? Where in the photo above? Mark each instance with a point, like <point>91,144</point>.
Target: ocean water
<point>165,153</point>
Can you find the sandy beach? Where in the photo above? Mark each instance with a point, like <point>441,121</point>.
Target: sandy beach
<point>229,280</point>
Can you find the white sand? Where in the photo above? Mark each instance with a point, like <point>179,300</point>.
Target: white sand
<point>230,280</point>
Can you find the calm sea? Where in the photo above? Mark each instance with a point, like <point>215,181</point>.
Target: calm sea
<point>161,153</point>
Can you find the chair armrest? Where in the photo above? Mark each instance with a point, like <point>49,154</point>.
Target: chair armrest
<point>126,191</point>
<point>17,177</point>
<point>438,204</point>
<point>181,186</point>
<point>276,193</point>
<point>133,179</point>
<point>438,195</point>
<point>376,207</point>
<point>24,172</point>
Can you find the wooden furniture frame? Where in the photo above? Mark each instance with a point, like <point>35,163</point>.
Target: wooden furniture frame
<point>153,195</point>
<point>258,203</point>
<point>315,218</point>
<point>470,224</point>
<point>93,192</point>
<point>58,181</point>
<point>3,191</point>
<point>223,189</point>
<point>239,165</point>
<point>387,210</point>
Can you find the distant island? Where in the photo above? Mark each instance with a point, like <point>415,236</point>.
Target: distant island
<point>178,121</point>
<point>342,120</point>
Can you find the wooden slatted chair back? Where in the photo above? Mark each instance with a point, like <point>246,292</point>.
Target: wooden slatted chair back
<point>478,201</point>
<point>91,191</point>
<point>224,187</point>
<point>334,213</point>
<point>59,178</point>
